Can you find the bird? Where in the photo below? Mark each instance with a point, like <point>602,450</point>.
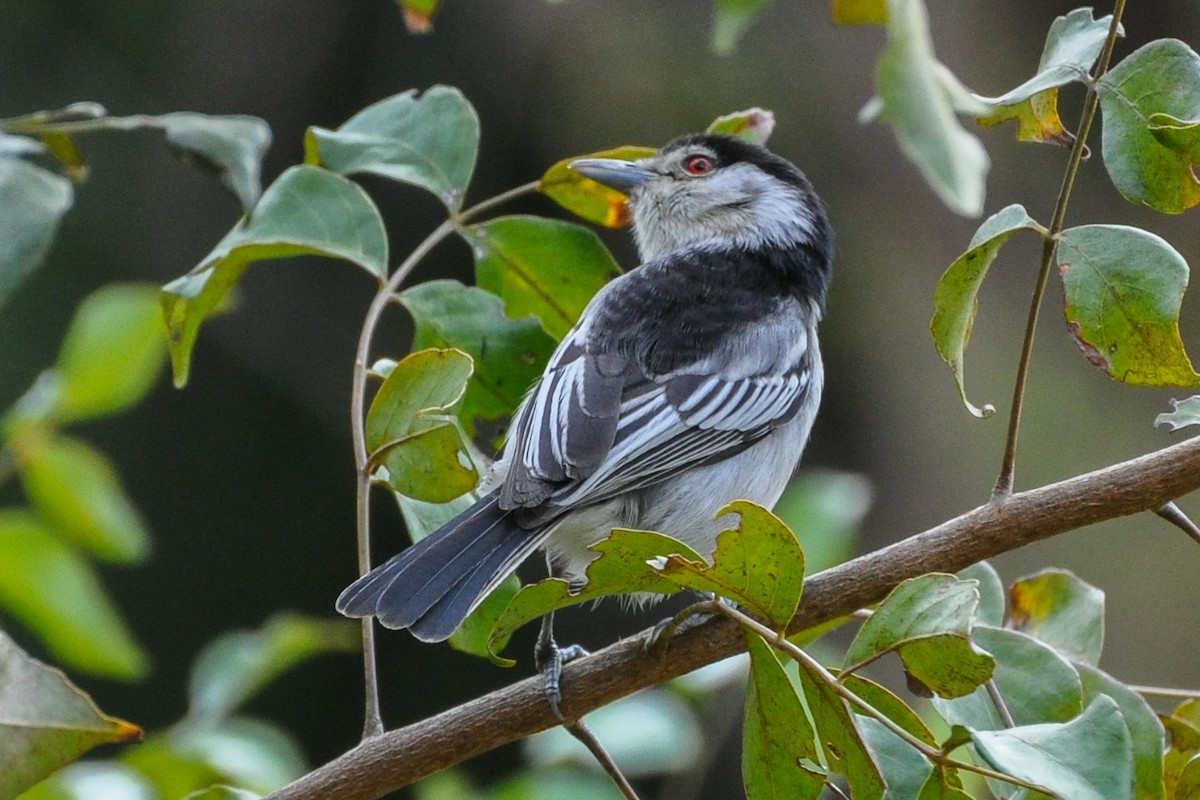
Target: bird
<point>690,381</point>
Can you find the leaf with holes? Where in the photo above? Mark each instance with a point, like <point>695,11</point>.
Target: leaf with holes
<point>429,140</point>
<point>45,721</point>
<point>759,564</point>
<point>1124,287</point>
<point>544,267</point>
<point>307,211</point>
<point>1149,150</point>
<point>956,298</point>
<point>585,197</point>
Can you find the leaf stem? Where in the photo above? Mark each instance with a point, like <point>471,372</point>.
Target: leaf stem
<point>935,755</point>
<point>1004,482</point>
<point>588,739</point>
<point>1166,692</point>
<point>373,722</point>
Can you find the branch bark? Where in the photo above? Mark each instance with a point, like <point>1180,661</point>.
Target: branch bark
<point>386,762</point>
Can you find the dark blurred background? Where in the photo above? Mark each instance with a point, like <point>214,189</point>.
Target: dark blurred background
<point>246,477</point>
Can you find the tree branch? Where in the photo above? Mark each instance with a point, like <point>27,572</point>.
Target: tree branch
<point>391,760</point>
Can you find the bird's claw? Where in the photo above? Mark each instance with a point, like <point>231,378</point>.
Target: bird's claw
<point>549,659</point>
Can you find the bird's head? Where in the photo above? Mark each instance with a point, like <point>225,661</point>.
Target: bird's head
<point>716,191</point>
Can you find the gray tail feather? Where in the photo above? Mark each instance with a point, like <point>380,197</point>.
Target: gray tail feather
<point>431,587</point>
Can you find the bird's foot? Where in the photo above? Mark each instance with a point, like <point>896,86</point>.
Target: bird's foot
<point>549,659</point>
<point>688,618</point>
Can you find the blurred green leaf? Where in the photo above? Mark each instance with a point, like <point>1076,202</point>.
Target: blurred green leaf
<point>1147,162</point>
<point>407,431</point>
<point>1072,47</point>
<point>1187,412</point>
<point>449,784</point>
<point>1037,684</point>
<point>222,793</point>
<point>650,733</point>
<point>733,19</point>
<point>1058,608</point>
<point>418,14</point>
<point>508,354</point>
<point>75,487</point>
<point>755,125</point>
<point>920,97</point>
<point>759,564</point>
<point>619,568</point>
<point>860,12</point>
<point>544,267</point>
<point>62,146</point>
<point>927,620</point>
<point>94,780</point>
<point>113,352</point>
<point>230,147</point>
<point>551,784</point>
<point>428,140</point>
<point>1183,723</point>
<point>45,721</point>
<point>956,298</point>
<point>307,211</point>
<point>825,509</point>
<point>55,593</point>
<point>1145,731</point>
<point>586,198</point>
<point>845,751</point>
<point>779,754</point>
<point>34,200</point>
<point>1088,758</point>
<point>991,593</point>
<point>1188,786</point>
<point>238,664</point>
<point>1124,288</point>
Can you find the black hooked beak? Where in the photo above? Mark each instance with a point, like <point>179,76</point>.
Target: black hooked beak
<point>624,176</point>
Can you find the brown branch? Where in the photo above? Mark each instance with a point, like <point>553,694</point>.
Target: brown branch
<point>391,760</point>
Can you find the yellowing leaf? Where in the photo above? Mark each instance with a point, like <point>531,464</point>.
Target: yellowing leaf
<point>586,198</point>
<point>1036,117</point>
<point>860,12</point>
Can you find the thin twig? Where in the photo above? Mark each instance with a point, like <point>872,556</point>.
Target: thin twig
<point>1166,692</point>
<point>1175,515</point>
<point>779,640</point>
<point>373,719</point>
<point>1004,482</point>
<point>998,701</point>
<point>584,734</point>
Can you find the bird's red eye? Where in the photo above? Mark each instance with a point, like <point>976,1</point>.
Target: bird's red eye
<point>699,165</point>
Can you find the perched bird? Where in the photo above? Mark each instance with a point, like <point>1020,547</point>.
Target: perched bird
<point>688,382</point>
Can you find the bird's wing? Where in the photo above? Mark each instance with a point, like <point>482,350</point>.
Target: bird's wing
<point>597,426</point>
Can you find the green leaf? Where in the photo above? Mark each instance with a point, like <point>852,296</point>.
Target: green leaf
<point>34,200</point>
<point>1138,97</point>
<point>1183,723</point>
<point>825,509</point>
<point>237,665</point>
<point>550,784</point>
<point>904,769</point>
<point>1037,684</point>
<point>544,267</point>
<point>620,567</point>
<point>1088,758</point>
<point>777,739</point>
<point>888,704</point>
<point>55,593</point>
<point>759,564</point>
<point>508,354</point>
<point>408,432</point>
<point>860,12</point>
<point>956,298</point>
<point>991,593</point>
<point>222,793</point>
<point>919,98</point>
<point>1145,731</point>
<point>1072,47</point>
<point>307,211</point>
<point>75,487</point>
<point>755,125</point>
<point>1124,287</point>
<point>428,140</point>
<point>418,14</point>
<point>1187,412</point>
<point>845,751</point>
<point>1058,608</point>
<point>1188,787</point>
<point>112,354</point>
<point>927,620</point>
<point>89,780</point>
<point>230,147</point>
<point>45,721</point>
<point>734,18</point>
<point>586,198</point>
<point>62,146</point>
<point>943,784</point>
